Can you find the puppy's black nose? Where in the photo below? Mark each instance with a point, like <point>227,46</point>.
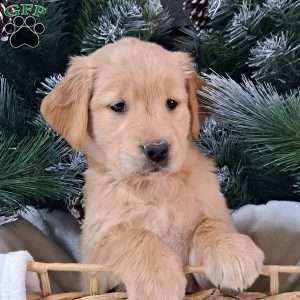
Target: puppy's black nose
<point>156,152</point>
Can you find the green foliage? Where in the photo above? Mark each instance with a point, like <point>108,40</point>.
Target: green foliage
<point>259,39</point>
<point>25,179</point>
<point>80,14</point>
<point>220,144</point>
<point>262,142</point>
<point>38,167</point>
<point>29,152</point>
<point>266,122</point>
<point>277,60</point>
<point>122,18</point>
<point>48,84</point>
<point>253,133</point>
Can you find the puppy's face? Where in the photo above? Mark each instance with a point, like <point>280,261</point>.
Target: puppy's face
<point>137,103</point>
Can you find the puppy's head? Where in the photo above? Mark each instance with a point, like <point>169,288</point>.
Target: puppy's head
<point>135,100</point>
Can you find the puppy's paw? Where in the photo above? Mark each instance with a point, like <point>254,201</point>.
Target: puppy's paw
<point>234,262</point>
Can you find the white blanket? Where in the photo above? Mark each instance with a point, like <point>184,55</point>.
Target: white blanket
<point>14,280</point>
<point>43,241</point>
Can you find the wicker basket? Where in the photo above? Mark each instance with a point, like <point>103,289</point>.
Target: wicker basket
<point>42,270</point>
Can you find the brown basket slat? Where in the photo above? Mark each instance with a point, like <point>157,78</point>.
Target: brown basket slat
<point>42,270</point>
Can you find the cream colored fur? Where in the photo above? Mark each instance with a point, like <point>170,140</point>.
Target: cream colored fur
<point>146,225</point>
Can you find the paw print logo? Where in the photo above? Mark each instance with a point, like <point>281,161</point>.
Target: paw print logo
<point>24,32</point>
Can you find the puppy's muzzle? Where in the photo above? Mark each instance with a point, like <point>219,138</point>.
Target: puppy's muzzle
<point>157,153</point>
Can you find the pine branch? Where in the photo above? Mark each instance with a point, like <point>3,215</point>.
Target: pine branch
<point>29,154</point>
<point>259,39</point>
<point>277,60</point>
<point>81,15</point>
<point>220,11</point>
<point>122,18</point>
<point>283,15</point>
<point>14,112</point>
<point>267,123</point>
<point>49,84</point>
<point>221,145</point>
<point>24,178</point>
<point>210,51</point>
<point>245,27</point>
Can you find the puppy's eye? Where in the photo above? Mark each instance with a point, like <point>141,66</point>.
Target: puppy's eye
<point>171,104</point>
<point>119,107</point>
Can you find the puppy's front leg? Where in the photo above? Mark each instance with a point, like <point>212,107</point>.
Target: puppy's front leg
<point>231,260</point>
<point>147,267</point>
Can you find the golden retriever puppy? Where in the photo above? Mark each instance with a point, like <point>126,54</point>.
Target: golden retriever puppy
<point>152,199</point>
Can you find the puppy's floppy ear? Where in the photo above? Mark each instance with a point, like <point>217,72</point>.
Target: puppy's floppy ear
<point>66,107</point>
<point>193,83</point>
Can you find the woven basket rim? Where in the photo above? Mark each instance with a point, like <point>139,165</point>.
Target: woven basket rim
<point>42,269</point>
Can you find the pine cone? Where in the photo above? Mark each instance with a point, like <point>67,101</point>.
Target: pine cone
<point>4,19</point>
<point>198,12</point>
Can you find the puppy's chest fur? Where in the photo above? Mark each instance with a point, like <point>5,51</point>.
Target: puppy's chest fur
<point>168,207</point>
<point>176,219</point>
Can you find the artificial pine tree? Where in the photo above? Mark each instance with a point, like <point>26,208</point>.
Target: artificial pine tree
<point>120,18</point>
<point>256,38</point>
<point>254,131</point>
<point>37,167</point>
<point>253,135</point>
<point>254,138</point>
